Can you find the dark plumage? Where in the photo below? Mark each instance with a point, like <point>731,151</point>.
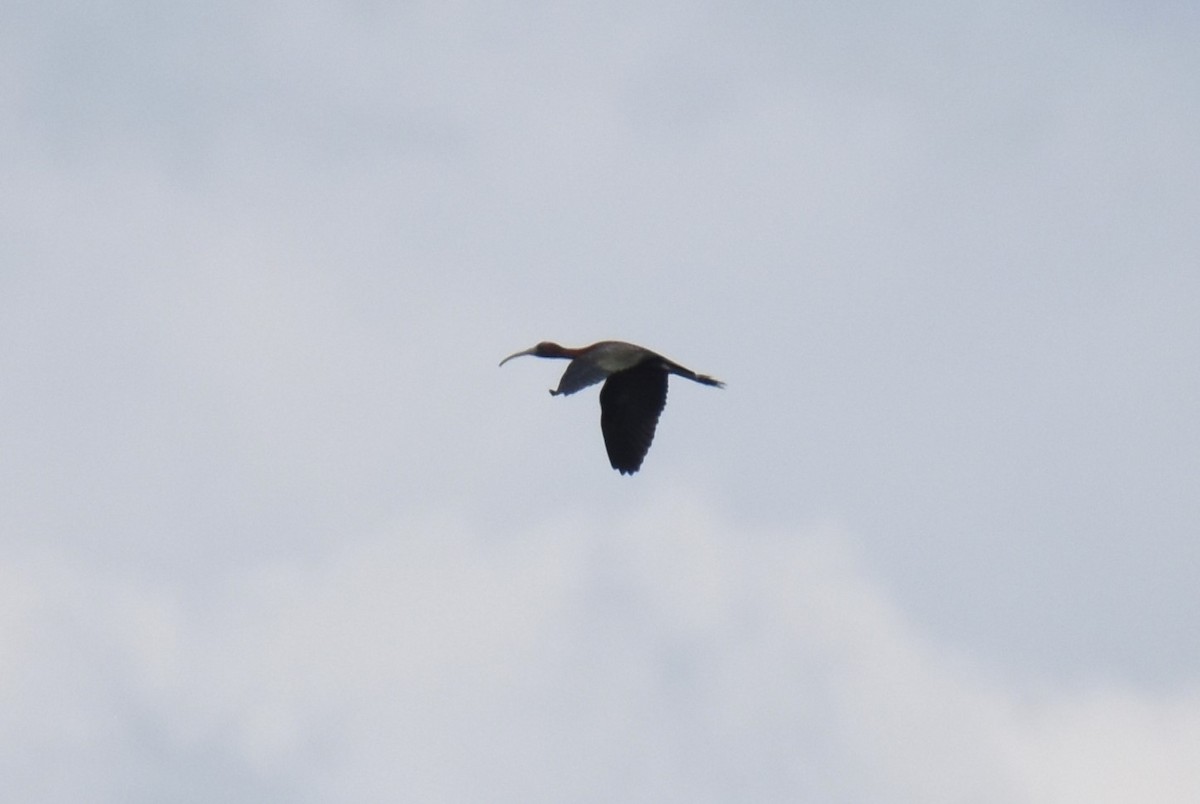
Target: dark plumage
<point>633,396</point>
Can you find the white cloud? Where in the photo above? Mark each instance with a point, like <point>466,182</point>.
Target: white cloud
<point>1112,745</point>
<point>666,656</point>
<point>260,265</point>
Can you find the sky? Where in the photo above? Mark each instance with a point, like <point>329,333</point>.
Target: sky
<point>274,526</point>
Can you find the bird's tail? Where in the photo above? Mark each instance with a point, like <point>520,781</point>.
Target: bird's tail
<point>703,379</point>
<point>707,380</point>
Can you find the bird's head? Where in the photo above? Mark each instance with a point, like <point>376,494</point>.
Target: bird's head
<point>543,349</point>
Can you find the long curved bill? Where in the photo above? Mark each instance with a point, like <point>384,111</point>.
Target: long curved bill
<point>519,354</point>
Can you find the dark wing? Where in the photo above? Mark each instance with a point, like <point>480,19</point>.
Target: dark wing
<point>580,374</point>
<point>630,404</point>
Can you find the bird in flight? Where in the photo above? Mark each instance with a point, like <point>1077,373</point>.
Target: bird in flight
<point>633,396</point>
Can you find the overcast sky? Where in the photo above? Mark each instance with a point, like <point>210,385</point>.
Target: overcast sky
<point>275,527</point>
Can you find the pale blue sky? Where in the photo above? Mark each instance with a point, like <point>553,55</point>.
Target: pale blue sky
<point>274,526</point>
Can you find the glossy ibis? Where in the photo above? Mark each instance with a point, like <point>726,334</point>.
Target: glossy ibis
<point>633,396</point>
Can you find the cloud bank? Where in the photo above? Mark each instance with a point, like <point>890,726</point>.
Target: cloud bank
<point>666,656</point>
<point>260,262</point>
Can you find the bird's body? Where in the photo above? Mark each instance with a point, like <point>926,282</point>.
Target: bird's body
<point>633,396</point>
